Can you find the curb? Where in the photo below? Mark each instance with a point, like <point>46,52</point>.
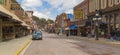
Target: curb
<point>22,48</point>
<point>105,42</point>
<point>100,41</point>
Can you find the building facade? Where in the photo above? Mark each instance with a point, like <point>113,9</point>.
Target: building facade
<point>29,20</point>
<point>9,20</point>
<point>80,15</point>
<point>62,22</point>
<point>110,12</point>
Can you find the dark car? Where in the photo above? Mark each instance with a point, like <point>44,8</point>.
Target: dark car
<point>37,35</point>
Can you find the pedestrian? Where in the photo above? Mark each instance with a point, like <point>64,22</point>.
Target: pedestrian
<point>118,34</point>
<point>112,34</point>
<point>102,33</point>
<point>89,33</point>
<point>58,32</point>
<point>67,34</point>
<point>92,33</point>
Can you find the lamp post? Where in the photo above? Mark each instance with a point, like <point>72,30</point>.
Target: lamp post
<point>96,19</point>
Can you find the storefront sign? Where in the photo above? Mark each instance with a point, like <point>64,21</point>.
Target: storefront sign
<point>79,14</point>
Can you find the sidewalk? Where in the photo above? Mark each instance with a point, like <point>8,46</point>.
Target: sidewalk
<point>10,47</point>
<point>101,40</point>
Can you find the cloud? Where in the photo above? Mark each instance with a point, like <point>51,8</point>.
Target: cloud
<point>55,7</point>
<point>63,4</point>
<point>69,11</point>
<point>40,15</point>
<point>48,12</point>
<point>32,3</point>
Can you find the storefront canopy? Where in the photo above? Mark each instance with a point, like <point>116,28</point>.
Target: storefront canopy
<point>9,14</point>
<point>67,28</point>
<point>24,24</point>
<point>73,27</point>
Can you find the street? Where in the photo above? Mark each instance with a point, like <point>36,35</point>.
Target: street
<point>53,44</point>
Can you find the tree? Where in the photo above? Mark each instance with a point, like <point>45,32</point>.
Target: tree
<point>49,21</point>
<point>42,21</point>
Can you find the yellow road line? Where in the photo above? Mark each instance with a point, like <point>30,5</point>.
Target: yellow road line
<point>22,48</point>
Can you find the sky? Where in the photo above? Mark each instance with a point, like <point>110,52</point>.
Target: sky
<point>49,9</point>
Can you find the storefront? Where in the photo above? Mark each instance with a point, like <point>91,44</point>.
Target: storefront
<point>67,31</point>
<point>4,15</point>
<point>8,30</point>
<point>73,30</point>
<point>7,24</point>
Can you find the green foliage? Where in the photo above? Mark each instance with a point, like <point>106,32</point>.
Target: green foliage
<point>42,21</point>
<point>50,21</point>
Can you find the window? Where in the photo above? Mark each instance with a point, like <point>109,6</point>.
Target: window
<point>1,1</point>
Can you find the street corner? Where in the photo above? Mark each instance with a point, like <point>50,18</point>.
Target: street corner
<point>23,47</point>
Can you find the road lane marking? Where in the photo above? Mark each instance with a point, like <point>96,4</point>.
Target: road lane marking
<point>22,48</point>
<point>22,53</point>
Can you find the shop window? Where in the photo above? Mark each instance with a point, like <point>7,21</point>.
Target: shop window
<point>8,29</point>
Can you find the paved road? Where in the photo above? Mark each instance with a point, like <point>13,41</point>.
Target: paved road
<point>59,45</point>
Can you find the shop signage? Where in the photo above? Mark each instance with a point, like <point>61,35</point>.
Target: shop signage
<point>79,14</point>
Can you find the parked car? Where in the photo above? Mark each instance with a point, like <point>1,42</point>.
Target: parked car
<point>37,35</point>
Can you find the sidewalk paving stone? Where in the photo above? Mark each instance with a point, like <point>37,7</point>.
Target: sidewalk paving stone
<point>11,46</point>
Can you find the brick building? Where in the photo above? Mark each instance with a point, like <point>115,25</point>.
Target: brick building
<point>62,22</point>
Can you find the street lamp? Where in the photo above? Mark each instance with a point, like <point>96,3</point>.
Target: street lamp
<point>97,18</point>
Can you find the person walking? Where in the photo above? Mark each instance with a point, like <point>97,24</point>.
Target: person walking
<point>92,33</point>
<point>58,32</point>
<point>118,34</point>
<point>112,35</point>
<point>89,33</point>
<point>67,34</point>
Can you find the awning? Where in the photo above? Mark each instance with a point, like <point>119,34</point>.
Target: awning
<point>88,23</point>
<point>73,27</point>
<point>10,15</point>
<point>24,24</point>
<point>67,28</point>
